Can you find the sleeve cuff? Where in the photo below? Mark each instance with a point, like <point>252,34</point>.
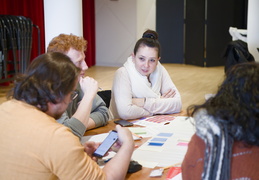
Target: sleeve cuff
<point>78,128</point>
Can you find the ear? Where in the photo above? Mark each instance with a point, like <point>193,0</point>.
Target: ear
<point>159,58</point>
<point>51,107</point>
<point>133,57</point>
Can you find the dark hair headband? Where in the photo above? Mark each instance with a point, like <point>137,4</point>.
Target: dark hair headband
<point>149,35</point>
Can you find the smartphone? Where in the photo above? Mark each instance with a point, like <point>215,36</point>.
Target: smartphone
<point>123,123</point>
<point>106,144</point>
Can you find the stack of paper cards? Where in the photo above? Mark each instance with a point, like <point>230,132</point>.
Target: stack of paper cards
<point>154,120</point>
<point>160,139</point>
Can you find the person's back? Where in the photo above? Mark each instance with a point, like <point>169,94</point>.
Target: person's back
<point>34,146</point>
<point>244,160</point>
<point>226,144</point>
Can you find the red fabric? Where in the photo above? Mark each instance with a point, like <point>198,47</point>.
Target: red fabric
<point>35,11</point>
<point>89,30</point>
<point>30,9</point>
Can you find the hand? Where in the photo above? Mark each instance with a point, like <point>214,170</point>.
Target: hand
<point>169,94</point>
<point>89,86</point>
<point>90,147</point>
<point>138,101</point>
<point>125,136</point>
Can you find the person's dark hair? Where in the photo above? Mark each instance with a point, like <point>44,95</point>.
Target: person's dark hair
<point>237,103</point>
<point>149,39</point>
<point>48,78</point>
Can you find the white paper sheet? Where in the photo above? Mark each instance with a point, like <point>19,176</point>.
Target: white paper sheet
<point>175,147</point>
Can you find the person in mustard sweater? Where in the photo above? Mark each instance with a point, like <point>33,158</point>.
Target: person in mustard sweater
<point>33,145</point>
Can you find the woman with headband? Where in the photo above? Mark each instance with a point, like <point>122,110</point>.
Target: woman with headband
<point>143,87</point>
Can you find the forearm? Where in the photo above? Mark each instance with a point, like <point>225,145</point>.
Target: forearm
<point>91,124</point>
<point>83,111</point>
<point>98,119</point>
<point>130,108</point>
<point>163,105</point>
<point>121,159</point>
<point>100,113</point>
<point>75,125</point>
<point>139,101</point>
<point>122,94</point>
<point>132,112</point>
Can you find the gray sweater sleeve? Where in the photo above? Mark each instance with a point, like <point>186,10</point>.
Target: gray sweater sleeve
<point>99,112</point>
<point>77,127</point>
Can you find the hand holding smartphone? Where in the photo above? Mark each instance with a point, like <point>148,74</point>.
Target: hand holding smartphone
<point>106,144</point>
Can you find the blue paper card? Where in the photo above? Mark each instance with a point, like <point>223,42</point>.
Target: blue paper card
<point>159,139</point>
<point>165,134</point>
<point>155,144</point>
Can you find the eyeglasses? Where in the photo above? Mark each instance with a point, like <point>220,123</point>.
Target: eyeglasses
<point>74,95</point>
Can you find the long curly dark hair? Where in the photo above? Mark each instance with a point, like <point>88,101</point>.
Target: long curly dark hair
<point>236,103</point>
<point>48,78</point>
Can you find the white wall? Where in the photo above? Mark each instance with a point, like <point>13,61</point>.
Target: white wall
<point>253,28</point>
<point>62,16</point>
<point>146,16</point>
<point>119,24</point>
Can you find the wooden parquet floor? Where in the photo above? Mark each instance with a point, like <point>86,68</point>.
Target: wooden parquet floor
<point>193,82</point>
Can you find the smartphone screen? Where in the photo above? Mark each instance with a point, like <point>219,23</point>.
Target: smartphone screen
<point>123,123</point>
<point>106,144</point>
